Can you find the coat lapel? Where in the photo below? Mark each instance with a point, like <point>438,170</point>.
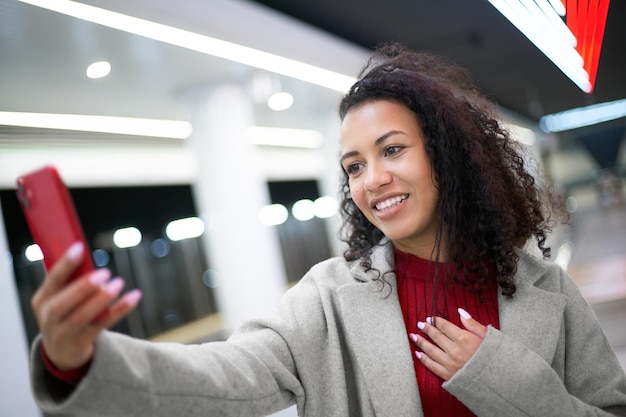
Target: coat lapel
<point>533,316</point>
<point>378,340</point>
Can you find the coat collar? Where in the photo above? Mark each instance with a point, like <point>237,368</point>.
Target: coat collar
<point>377,336</point>
<point>376,332</point>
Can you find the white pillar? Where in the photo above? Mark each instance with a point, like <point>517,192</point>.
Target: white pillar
<point>330,182</point>
<point>15,395</point>
<point>229,192</point>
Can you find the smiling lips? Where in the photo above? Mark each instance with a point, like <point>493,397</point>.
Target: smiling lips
<point>390,202</point>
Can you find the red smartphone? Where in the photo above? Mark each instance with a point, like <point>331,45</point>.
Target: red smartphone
<point>51,217</point>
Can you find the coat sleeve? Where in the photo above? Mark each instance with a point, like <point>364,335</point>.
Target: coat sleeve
<point>506,378</point>
<point>251,375</point>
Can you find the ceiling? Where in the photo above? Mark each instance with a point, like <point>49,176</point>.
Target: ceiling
<point>474,34</point>
<point>43,56</point>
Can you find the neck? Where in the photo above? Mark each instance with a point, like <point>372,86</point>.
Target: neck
<point>428,252</point>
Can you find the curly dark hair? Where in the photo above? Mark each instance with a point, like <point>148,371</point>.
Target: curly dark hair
<point>489,202</point>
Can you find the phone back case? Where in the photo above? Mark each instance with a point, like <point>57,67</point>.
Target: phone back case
<point>51,216</point>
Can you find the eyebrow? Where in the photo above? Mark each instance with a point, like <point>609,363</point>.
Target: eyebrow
<point>377,142</point>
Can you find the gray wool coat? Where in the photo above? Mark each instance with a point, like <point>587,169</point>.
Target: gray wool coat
<point>337,346</point>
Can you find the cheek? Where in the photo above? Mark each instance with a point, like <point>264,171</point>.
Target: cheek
<point>358,196</point>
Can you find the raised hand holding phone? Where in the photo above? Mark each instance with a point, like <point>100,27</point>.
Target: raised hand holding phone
<point>70,315</point>
<point>76,301</point>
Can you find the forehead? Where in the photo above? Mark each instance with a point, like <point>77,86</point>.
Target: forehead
<point>372,119</point>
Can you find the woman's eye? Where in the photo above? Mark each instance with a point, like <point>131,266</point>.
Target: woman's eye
<point>353,168</point>
<point>392,150</point>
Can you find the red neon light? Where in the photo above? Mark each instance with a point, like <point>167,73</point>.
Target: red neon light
<point>587,21</point>
<point>571,17</point>
<point>594,59</point>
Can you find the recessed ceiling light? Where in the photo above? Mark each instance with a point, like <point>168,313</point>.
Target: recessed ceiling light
<point>280,101</point>
<point>98,69</point>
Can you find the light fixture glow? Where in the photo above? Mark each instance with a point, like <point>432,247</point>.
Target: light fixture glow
<point>547,35</point>
<point>280,101</point>
<point>127,237</point>
<point>277,136</point>
<point>200,43</point>
<point>572,45</point>
<point>558,6</point>
<point>325,207</point>
<point>98,69</point>
<point>100,257</point>
<point>184,228</point>
<point>273,215</point>
<point>303,210</point>
<point>175,129</point>
<point>564,256</point>
<point>583,116</point>
<point>33,253</point>
<point>521,134</point>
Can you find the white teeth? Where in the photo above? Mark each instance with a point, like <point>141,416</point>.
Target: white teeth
<point>390,202</point>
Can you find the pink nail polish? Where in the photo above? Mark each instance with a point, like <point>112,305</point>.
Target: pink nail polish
<point>421,325</point>
<point>75,251</point>
<point>100,276</point>
<point>413,337</point>
<point>464,314</point>
<point>429,320</point>
<point>115,286</point>
<point>133,297</point>
<point>418,355</point>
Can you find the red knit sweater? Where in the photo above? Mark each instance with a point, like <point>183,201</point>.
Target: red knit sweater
<point>415,280</point>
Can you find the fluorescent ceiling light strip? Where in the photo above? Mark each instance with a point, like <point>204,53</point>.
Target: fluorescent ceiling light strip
<point>558,6</point>
<point>293,138</point>
<point>200,43</point>
<point>583,116</point>
<point>556,21</point>
<point>532,23</point>
<point>543,31</point>
<point>175,129</point>
<point>519,17</point>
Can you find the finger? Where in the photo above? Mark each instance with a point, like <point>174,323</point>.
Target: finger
<point>60,273</point>
<point>472,325</point>
<point>437,335</point>
<point>116,312</point>
<point>91,308</point>
<point>432,365</point>
<point>433,351</point>
<point>72,296</point>
<point>451,330</point>
<point>121,308</point>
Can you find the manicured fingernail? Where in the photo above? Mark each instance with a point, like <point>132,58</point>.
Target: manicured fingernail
<point>464,314</point>
<point>421,325</point>
<point>413,337</point>
<point>429,320</point>
<point>133,297</point>
<point>100,276</point>
<point>115,286</point>
<point>75,250</point>
<point>418,354</point>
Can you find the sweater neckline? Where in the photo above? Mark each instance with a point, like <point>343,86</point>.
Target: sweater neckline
<point>410,266</point>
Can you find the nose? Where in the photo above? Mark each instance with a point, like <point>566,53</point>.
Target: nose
<point>377,176</point>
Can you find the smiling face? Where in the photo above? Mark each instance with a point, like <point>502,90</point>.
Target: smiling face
<point>390,175</point>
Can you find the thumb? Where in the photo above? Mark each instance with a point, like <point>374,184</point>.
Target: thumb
<point>472,325</point>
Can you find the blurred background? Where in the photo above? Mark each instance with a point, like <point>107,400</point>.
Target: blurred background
<point>199,140</point>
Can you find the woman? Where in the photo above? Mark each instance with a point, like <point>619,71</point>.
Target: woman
<point>433,310</point>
